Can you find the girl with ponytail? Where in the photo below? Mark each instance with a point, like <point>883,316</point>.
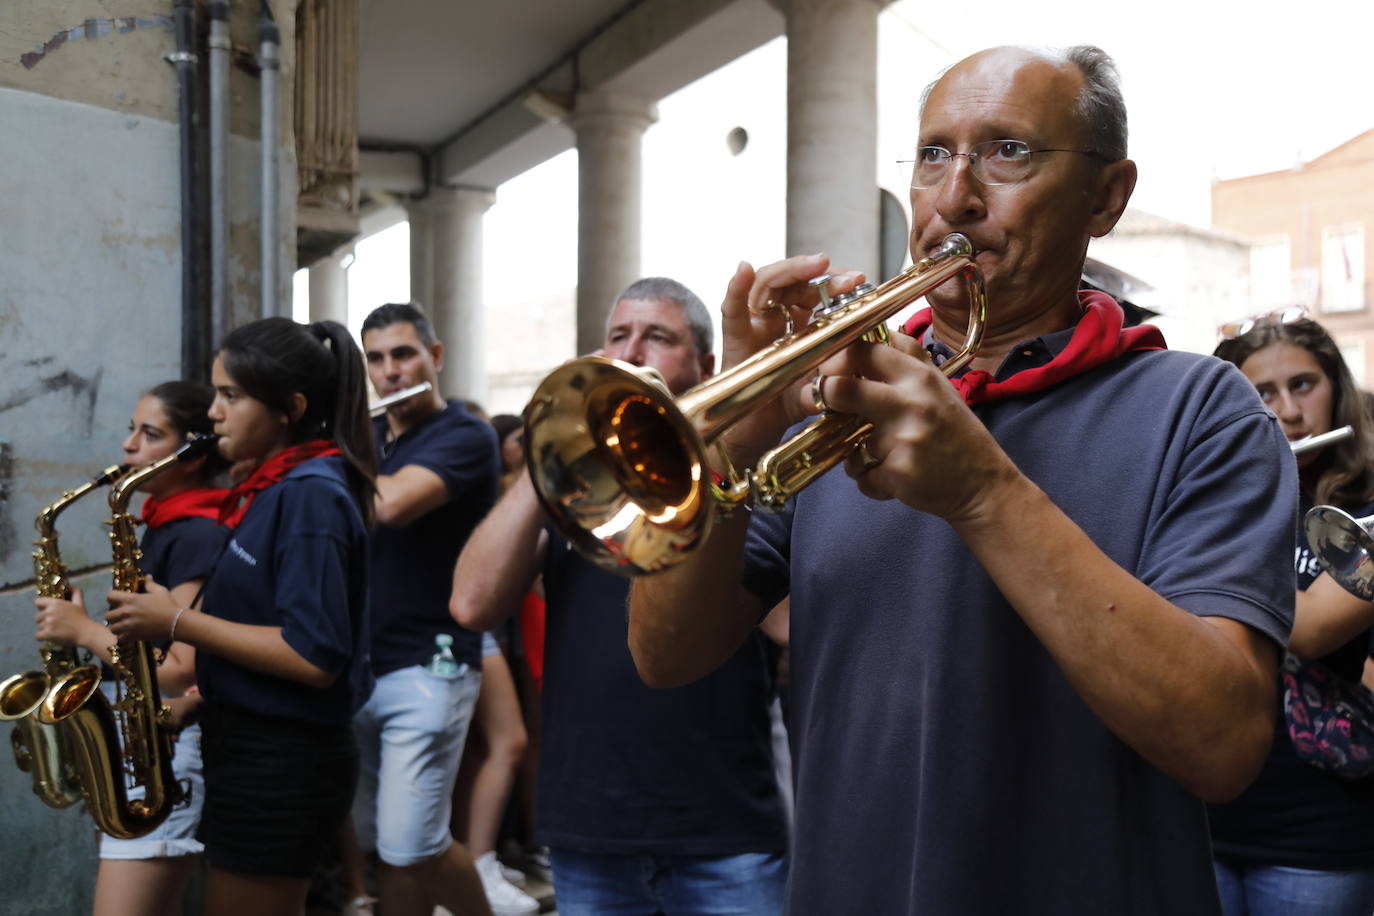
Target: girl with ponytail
<point>281,632</point>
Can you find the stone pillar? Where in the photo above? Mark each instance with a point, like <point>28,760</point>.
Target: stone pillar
<point>421,252</point>
<point>832,137</point>
<point>609,127</point>
<point>329,287</point>
<point>456,306</point>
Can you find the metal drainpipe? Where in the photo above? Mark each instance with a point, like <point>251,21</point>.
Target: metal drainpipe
<point>194,354</point>
<point>219,173</point>
<point>270,60</point>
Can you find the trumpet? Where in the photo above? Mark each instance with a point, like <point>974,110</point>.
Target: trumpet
<point>623,469</point>
<point>1344,546</point>
<point>379,406</point>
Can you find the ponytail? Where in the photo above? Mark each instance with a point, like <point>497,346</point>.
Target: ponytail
<point>275,358</point>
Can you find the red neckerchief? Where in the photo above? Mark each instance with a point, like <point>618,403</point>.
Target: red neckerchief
<point>268,473</point>
<point>200,502</point>
<point>1097,338</point>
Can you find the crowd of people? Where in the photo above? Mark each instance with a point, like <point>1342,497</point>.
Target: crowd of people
<point>1033,628</point>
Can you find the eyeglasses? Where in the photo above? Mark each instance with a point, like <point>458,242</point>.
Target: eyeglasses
<point>1243,326</point>
<point>992,162</point>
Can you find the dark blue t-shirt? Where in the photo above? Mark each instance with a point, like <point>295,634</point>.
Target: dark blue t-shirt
<point>297,560</point>
<point>181,550</point>
<point>1295,814</point>
<point>943,762</point>
<point>412,565</point>
<point>624,768</point>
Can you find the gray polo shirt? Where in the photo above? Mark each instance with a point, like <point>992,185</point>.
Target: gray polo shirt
<point>943,762</point>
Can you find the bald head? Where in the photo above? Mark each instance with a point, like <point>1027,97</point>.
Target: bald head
<point>1082,79</point>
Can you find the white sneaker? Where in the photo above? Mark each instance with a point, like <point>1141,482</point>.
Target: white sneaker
<point>505,898</point>
<point>513,875</point>
<point>359,906</point>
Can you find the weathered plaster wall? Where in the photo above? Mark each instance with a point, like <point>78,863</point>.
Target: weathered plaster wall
<point>90,311</point>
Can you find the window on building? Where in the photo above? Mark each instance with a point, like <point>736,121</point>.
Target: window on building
<point>1342,268</point>
<point>1271,273</point>
<point>1352,351</point>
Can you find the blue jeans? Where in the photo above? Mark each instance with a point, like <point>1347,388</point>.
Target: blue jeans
<point>591,884</point>
<point>1278,890</point>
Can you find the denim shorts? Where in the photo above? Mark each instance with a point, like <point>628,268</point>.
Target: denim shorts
<point>176,836</point>
<point>410,741</point>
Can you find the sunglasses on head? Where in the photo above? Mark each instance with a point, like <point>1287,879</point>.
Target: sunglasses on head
<point>1243,326</point>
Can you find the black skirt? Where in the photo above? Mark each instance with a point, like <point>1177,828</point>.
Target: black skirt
<point>276,790</point>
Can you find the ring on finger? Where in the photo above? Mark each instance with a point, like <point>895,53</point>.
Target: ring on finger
<point>817,396</point>
<point>869,460</point>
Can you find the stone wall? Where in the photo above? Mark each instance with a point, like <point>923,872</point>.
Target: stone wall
<point>90,315</point>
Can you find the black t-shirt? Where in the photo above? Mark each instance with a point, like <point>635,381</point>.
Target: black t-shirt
<point>412,565</point>
<point>943,761</point>
<point>181,550</point>
<point>627,769</point>
<point>297,560</point>
<point>1296,814</point>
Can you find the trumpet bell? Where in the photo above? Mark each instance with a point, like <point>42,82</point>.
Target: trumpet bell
<point>619,468</point>
<point>1344,546</point>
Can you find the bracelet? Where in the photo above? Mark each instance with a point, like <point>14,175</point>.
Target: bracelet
<point>172,636</point>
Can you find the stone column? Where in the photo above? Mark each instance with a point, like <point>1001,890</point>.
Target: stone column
<point>329,287</point>
<point>456,307</point>
<point>832,137</point>
<point>609,127</point>
<point>421,252</point>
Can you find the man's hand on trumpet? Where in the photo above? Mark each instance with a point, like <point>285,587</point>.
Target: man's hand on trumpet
<point>754,314</point>
<point>927,448</point>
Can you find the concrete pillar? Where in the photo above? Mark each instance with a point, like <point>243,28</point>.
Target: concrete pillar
<point>832,137</point>
<point>456,306</point>
<point>609,127</point>
<point>329,287</point>
<point>421,252</point>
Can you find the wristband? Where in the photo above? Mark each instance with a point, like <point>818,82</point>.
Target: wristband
<point>172,636</point>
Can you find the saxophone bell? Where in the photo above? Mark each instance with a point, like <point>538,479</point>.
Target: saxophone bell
<point>39,749</point>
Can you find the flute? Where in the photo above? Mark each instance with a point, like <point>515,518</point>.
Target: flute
<point>396,397</point>
<point>1308,443</point>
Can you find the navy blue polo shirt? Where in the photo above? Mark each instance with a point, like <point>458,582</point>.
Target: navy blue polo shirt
<point>182,550</point>
<point>412,565</point>
<point>943,762</point>
<point>1295,814</point>
<point>297,560</point>
<point>627,769</point>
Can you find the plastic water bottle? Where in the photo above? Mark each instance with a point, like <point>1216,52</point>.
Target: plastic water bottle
<point>443,664</point>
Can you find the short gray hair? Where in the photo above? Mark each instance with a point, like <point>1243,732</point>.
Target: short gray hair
<point>698,318</point>
<point>1100,107</point>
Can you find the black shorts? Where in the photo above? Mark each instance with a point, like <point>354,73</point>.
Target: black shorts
<point>276,790</point>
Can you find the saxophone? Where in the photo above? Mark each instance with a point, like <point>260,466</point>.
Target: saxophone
<point>38,747</point>
<point>90,726</point>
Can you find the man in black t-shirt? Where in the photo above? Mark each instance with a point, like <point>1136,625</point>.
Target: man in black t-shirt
<point>649,800</point>
<point>438,475</point>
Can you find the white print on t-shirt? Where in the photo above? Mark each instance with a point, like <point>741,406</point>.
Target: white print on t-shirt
<point>1305,562</point>
<point>242,554</point>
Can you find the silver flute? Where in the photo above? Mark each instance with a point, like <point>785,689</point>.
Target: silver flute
<point>396,397</point>
<point>1308,443</point>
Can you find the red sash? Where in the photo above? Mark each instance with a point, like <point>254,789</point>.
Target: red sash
<point>200,502</point>
<point>1097,338</point>
<point>269,472</point>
